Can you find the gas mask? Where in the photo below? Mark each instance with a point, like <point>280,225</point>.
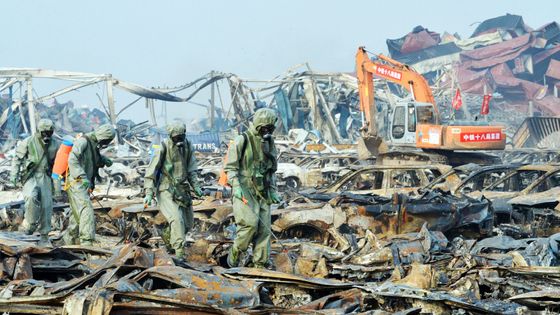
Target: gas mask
<point>46,135</point>
<point>266,131</point>
<point>179,140</point>
<point>102,144</point>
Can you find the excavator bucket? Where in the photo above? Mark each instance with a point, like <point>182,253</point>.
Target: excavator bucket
<point>538,132</point>
<point>369,147</point>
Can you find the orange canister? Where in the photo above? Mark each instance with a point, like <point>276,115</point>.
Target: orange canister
<point>61,159</point>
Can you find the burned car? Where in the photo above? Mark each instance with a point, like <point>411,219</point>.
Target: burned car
<point>384,180</point>
<point>524,181</point>
<point>314,171</point>
<point>385,216</point>
<point>121,175</point>
<point>474,177</point>
<point>209,169</point>
<point>539,212</point>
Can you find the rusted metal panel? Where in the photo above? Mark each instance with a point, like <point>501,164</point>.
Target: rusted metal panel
<point>144,301</point>
<point>203,288</point>
<point>30,309</point>
<point>263,275</point>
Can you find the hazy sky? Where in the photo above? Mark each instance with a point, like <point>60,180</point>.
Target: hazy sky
<point>158,43</point>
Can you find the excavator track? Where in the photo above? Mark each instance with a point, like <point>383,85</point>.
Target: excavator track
<point>408,156</point>
<point>386,154</point>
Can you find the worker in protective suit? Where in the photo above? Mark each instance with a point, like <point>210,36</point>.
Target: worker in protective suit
<point>32,166</point>
<point>171,177</point>
<point>84,163</point>
<point>250,167</point>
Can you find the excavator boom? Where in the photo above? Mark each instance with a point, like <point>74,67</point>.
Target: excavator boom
<point>415,123</point>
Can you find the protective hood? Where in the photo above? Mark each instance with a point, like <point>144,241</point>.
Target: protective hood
<point>45,125</point>
<point>176,128</point>
<point>263,117</point>
<point>104,132</point>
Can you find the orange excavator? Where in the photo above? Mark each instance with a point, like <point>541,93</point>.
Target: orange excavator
<point>415,123</point>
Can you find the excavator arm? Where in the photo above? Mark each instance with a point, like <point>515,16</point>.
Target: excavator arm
<point>429,134</point>
<point>391,70</point>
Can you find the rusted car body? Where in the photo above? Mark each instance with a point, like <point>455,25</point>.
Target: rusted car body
<point>314,171</point>
<point>515,195</point>
<point>385,180</point>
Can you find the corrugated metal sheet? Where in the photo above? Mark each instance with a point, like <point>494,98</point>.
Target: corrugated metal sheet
<point>411,41</point>
<point>418,41</point>
<point>550,32</point>
<point>506,22</point>
<point>533,130</point>
<point>284,108</point>
<point>429,53</point>
<point>437,63</point>
<point>508,84</point>
<point>542,56</point>
<point>495,54</point>
<point>481,40</point>
<point>473,82</point>
<point>553,70</point>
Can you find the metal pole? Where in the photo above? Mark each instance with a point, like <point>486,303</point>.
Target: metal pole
<point>165,111</point>
<point>212,105</point>
<point>485,92</point>
<point>31,106</point>
<point>20,109</point>
<point>150,104</point>
<point>530,108</point>
<point>111,100</point>
<point>326,111</point>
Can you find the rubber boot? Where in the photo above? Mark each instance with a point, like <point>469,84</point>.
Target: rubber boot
<point>180,253</point>
<point>45,242</point>
<point>232,259</point>
<point>166,236</point>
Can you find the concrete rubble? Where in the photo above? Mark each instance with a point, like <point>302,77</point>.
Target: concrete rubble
<point>351,236</point>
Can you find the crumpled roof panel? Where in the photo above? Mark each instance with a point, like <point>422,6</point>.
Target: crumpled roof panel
<point>492,55</point>
<point>507,22</point>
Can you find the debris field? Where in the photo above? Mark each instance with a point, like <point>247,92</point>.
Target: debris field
<point>353,235</point>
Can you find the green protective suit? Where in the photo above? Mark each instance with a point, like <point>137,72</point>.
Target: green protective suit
<point>254,175</point>
<point>171,176</point>
<point>32,166</point>
<point>83,166</point>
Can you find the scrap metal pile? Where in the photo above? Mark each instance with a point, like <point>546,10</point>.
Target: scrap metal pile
<point>515,66</point>
<point>504,58</point>
<point>351,236</point>
<point>441,250</point>
<point>68,118</point>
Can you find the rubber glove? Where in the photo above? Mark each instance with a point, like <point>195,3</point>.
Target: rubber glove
<point>85,183</point>
<point>14,180</point>
<point>275,197</point>
<point>148,198</point>
<point>108,162</point>
<point>198,192</point>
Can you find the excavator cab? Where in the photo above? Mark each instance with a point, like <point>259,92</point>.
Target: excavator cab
<point>404,119</point>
